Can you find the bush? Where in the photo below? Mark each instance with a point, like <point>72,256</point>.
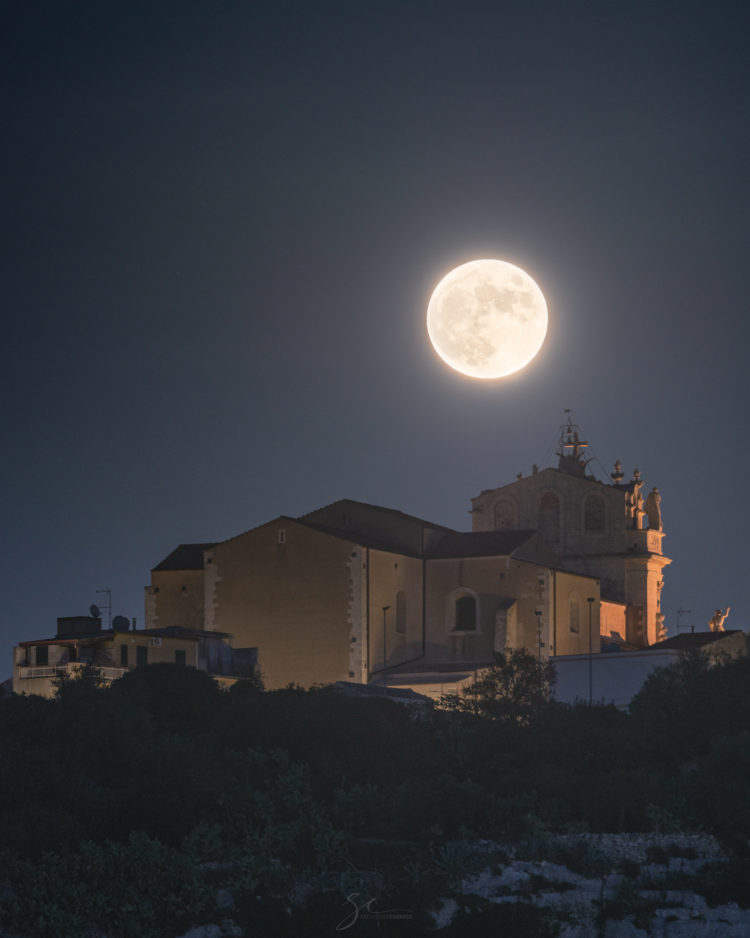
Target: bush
<point>141,889</point>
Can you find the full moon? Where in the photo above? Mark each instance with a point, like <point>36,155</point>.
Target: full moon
<point>487,318</point>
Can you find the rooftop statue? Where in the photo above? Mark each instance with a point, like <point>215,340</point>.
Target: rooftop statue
<point>653,510</point>
<point>716,622</point>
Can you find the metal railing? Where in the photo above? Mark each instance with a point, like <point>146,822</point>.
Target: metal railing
<point>69,667</point>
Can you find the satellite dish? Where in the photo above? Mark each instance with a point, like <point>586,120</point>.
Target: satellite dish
<point>94,610</point>
<point>121,623</point>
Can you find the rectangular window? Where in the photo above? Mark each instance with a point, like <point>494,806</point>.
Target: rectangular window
<point>42,655</point>
<point>141,655</point>
<point>179,657</point>
<point>123,656</point>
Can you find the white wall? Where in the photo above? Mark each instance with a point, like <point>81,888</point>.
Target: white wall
<point>615,677</point>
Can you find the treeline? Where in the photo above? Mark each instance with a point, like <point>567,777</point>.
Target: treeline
<point>124,808</point>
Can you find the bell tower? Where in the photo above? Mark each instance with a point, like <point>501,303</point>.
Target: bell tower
<point>606,529</point>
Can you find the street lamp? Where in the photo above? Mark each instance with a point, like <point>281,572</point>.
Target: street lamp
<point>385,656</point>
<point>540,643</point>
<point>590,601</point>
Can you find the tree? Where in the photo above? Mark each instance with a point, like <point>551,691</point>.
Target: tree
<point>681,708</point>
<point>513,689</point>
<point>179,699</point>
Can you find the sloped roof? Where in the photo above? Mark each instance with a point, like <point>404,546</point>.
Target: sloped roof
<point>185,557</point>
<point>358,537</point>
<point>479,544</point>
<point>379,691</point>
<point>686,641</point>
<point>391,512</point>
<point>400,532</point>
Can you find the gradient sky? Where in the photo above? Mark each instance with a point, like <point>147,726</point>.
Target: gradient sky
<point>222,225</point>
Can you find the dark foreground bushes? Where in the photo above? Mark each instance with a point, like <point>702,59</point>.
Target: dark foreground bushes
<point>148,795</point>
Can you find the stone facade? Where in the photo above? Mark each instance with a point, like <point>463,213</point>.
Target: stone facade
<point>353,592</point>
<point>602,530</point>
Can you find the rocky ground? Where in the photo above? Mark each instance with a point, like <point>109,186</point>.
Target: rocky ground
<point>593,886</point>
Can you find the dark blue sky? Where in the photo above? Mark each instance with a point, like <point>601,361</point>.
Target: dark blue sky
<point>222,224</point>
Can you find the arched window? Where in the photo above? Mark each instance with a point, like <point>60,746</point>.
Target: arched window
<point>466,614</point>
<point>593,513</point>
<point>549,516</point>
<point>462,610</point>
<point>505,515</point>
<point>401,613</point>
<point>575,613</point>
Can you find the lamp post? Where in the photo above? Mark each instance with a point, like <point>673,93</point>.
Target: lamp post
<point>385,656</point>
<point>590,601</point>
<point>540,643</point>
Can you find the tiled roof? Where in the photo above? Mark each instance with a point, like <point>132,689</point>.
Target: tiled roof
<point>185,557</point>
<point>391,512</point>
<point>358,537</point>
<point>688,640</point>
<point>478,544</point>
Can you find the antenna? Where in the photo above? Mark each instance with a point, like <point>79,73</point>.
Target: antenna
<point>108,607</point>
<point>682,612</point>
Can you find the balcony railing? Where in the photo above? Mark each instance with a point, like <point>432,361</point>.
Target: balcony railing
<point>69,667</point>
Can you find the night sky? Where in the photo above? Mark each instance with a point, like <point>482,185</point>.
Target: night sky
<point>222,225</point>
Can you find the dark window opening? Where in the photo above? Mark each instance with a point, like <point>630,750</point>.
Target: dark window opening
<point>466,614</point>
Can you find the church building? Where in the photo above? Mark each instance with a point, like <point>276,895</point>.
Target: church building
<point>606,530</point>
<point>359,593</point>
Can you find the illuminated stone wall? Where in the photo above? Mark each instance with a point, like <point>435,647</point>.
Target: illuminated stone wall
<point>286,590</point>
<point>591,532</point>
<point>175,597</point>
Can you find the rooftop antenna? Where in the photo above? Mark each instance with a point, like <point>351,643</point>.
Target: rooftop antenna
<point>108,607</point>
<point>681,612</point>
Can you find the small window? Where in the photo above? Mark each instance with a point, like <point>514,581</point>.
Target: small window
<point>123,656</point>
<point>282,536</point>
<point>575,613</point>
<point>179,657</point>
<point>401,613</point>
<point>141,655</point>
<point>466,614</point>
<point>42,655</point>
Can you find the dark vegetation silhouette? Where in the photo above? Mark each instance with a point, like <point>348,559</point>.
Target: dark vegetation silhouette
<point>124,808</point>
